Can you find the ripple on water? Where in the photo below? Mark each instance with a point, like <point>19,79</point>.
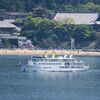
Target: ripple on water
<point>17,85</point>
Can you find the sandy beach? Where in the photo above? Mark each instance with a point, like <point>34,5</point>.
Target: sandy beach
<point>42,52</point>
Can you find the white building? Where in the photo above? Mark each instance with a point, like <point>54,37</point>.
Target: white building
<point>77,18</point>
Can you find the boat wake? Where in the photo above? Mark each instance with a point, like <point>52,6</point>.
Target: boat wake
<point>94,71</point>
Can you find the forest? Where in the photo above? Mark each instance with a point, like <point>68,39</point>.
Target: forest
<point>49,34</point>
<point>55,5</point>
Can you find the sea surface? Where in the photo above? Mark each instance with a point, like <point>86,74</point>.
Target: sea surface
<point>17,85</point>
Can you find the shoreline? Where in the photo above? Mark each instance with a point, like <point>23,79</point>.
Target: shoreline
<point>49,52</point>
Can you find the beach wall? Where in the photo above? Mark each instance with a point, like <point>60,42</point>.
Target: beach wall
<point>43,52</point>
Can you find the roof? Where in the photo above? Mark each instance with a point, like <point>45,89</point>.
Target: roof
<point>6,24</point>
<point>10,36</point>
<point>97,22</point>
<point>22,38</point>
<point>78,18</point>
<point>7,36</point>
<point>17,13</point>
<point>39,8</point>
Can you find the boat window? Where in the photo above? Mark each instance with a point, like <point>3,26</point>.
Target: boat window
<point>61,67</point>
<point>40,59</point>
<point>54,59</point>
<point>37,60</point>
<point>72,66</point>
<point>34,60</point>
<point>66,63</point>
<point>66,67</point>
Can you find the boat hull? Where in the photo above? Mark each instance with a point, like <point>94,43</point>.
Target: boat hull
<point>35,69</point>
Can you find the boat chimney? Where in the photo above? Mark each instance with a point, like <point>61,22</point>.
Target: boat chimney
<point>53,55</point>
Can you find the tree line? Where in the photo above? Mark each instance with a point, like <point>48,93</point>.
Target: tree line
<point>55,5</point>
<point>47,33</point>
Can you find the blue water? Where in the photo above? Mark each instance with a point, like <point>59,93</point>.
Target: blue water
<point>17,85</point>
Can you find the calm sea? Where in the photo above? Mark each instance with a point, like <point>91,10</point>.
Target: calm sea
<point>17,85</point>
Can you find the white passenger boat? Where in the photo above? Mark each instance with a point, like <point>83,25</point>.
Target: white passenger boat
<point>55,64</point>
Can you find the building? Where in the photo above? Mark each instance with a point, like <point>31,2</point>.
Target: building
<point>8,41</point>
<point>13,15</point>
<point>7,27</point>
<point>24,43</point>
<point>10,33</point>
<point>15,41</point>
<point>39,12</point>
<point>77,18</point>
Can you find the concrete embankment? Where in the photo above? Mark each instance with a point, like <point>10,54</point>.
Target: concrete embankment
<point>42,52</point>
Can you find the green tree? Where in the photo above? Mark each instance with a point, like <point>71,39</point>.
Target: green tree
<point>84,33</point>
<point>91,7</point>
<point>46,33</point>
<point>69,21</point>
